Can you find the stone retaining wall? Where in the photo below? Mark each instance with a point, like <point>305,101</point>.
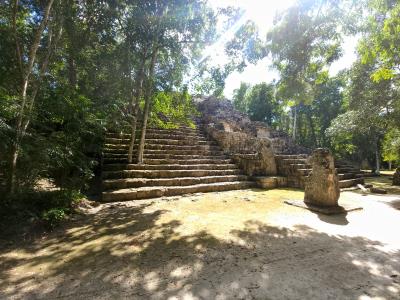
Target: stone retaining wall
<point>245,141</point>
<point>254,155</point>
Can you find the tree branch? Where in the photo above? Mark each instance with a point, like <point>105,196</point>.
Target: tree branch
<point>36,41</point>
<point>52,44</point>
<point>15,33</point>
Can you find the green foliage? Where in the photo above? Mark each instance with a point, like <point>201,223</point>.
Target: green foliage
<point>304,41</point>
<point>171,109</point>
<point>259,102</point>
<point>90,78</point>
<point>262,104</point>
<point>244,48</point>
<point>372,91</point>
<point>342,131</point>
<point>53,217</point>
<point>239,97</point>
<point>391,146</point>
<point>50,207</point>
<point>360,130</point>
<point>381,42</point>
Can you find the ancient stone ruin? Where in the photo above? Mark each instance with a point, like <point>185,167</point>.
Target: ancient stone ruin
<point>322,185</point>
<point>269,156</point>
<point>225,151</point>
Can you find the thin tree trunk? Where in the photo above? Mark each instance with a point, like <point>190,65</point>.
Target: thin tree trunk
<point>72,78</point>
<point>310,120</point>
<point>135,106</point>
<point>20,126</point>
<point>16,38</point>
<point>390,165</point>
<point>43,69</point>
<point>294,123</point>
<point>147,99</point>
<point>133,131</point>
<point>71,45</point>
<point>378,160</point>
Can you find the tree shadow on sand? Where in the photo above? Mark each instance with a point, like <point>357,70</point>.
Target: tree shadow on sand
<point>125,253</point>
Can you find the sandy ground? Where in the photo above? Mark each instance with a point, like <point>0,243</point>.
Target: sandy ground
<point>228,245</point>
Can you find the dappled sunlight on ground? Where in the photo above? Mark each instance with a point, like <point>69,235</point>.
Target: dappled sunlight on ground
<point>244,244</point>
<point>219,214</point>
<point>384,182</point>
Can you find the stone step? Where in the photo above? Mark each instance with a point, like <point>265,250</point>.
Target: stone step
<point>173,136</point>
<point>164,156</point>
<point>126,130</point>
<point>169,152</point>
<point>303,172</point>
<point>182,157</point>
<point>187,161</point>
<point>294,160</point>
<point>175,181</point>
<point>153,192</point>
<point>299,182</point>
<point>360,175</point>
<point>344,166</point>
<point>350,182</point>
<point>167,173</point>
<point>367,174</point>
<point>156,132</point>
<point>187,142</point>
<point>126,141</point>
<point>124,148</point>
<point>120,167</point>
<point>296,181</point>
<point>291,156</point>
<point>347,170</point>
<point>299,166</point>
<point>346,176</point>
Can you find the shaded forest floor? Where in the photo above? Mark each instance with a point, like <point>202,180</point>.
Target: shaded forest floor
<point>384,182</point>
<point>227,245</point>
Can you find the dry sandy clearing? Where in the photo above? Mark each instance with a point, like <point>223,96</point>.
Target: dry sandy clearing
<point>228,245</point>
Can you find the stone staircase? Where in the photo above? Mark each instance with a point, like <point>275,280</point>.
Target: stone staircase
<point>176,161</point>
<point>296,168</point>
<point>2,181</point>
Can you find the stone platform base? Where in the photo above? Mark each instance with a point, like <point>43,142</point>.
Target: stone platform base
<point>324,210</point>
<point>270,182</point>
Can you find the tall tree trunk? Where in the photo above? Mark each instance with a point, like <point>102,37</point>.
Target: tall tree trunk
<point>20,126</point>
<point>378,160</point>
<point>390,165</point>
<point>72,78</point>
<point>135,112</point>
<point>294,123</point>
<point>147,98</point>
<point>312,127</point>
<point>135,106</point>
<point>70,30</point>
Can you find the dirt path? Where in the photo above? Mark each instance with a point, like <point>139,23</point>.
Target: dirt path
<point>229,245</point>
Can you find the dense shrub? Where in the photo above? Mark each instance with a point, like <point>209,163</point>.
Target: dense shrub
<point>47,207</point>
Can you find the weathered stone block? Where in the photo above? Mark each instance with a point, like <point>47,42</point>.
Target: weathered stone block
<point>376,190</point>
<point>322,185</point>
<point>396,177</point>
<point>271,182</point>
<point>254,156</point>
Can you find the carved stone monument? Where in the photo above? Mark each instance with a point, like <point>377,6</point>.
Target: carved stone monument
<point>322,190</point>
<point>322,184</point>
